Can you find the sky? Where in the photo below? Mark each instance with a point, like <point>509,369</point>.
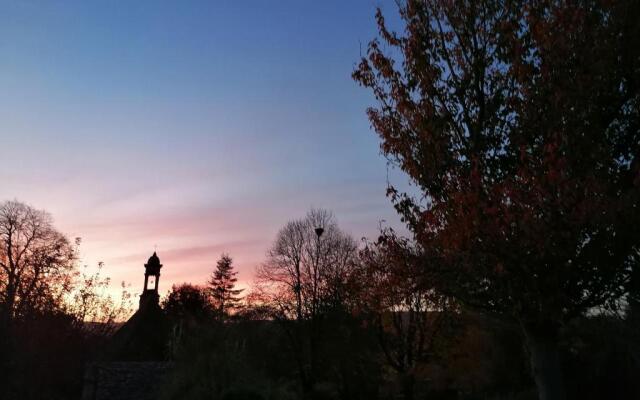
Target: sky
<point>194,128</point>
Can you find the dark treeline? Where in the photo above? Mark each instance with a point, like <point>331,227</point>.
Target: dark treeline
<point>54,315</point>
<point>518,124</point>
<point>328,319</point>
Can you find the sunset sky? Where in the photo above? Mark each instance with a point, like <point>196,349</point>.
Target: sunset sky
<point>199,127</point>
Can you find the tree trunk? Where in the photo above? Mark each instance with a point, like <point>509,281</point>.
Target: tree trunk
<point>544,356</point>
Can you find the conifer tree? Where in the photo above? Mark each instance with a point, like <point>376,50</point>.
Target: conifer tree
<point>222,286</point>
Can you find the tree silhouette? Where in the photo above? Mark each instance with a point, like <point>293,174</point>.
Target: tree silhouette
<point>94,310</point>
<point>306,275</point>
<point>53,318</point>
<point>408,315</point>
<point>37,263</point>
<point>187,301</point>
<point>222,286</point>
<point>519,124</point>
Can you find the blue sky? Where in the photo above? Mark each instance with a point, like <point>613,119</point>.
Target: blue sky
<point>199,127</point>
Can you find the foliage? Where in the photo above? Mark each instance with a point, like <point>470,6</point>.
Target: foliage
<point>375,314</point>
<point>54,317</point>
<point>94,308</point>
<point>188,301</point>
<point>46,358</point>
<point>519,123</point>
<point>307,275</point>
<point>36,262</point>
<point>226,298</point>
<point>225,361</point>
<point>409,316</point>
<point>603,358</point>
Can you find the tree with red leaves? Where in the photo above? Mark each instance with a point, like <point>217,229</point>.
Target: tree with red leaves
<point>407,315</point>
<point>519,123</point>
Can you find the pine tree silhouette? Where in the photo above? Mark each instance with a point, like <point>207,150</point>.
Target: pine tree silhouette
<point>226,298</point>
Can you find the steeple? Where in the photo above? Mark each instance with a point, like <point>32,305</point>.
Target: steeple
<point>149,296</point>
<point>144,336</point>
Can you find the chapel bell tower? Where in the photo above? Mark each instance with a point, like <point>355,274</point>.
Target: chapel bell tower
<point>149,296</point>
